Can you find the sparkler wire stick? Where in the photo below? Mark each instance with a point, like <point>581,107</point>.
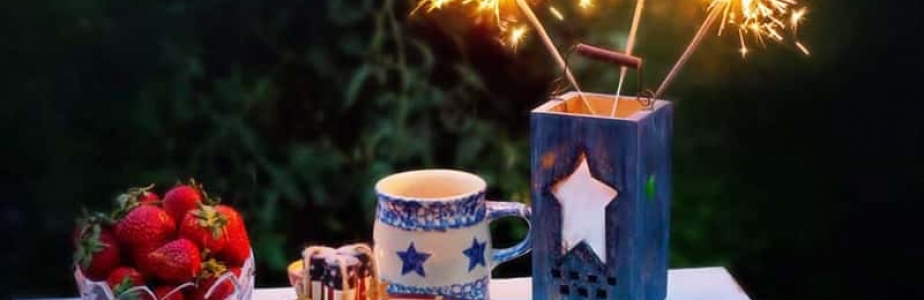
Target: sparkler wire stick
<point>528,12</point>
<point>710,20</point>
<point>630,46</point>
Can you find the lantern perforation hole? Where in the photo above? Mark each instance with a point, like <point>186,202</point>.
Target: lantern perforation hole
<point>564,290</point>
<point>573,275</point>
<point>601,294</point>
<point>582,291</point>
<point>611,280</point>
<point>592,278</point>
<point>556,273</point>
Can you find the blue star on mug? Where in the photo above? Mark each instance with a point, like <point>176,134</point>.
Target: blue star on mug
<point>475,254</point>
<point>411,260</point>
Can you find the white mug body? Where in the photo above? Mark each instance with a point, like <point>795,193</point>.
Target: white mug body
<point>432,234</point>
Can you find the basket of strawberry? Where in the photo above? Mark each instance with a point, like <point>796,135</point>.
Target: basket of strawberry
<point>186,246</point>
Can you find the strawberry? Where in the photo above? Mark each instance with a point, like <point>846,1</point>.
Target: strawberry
<point>212,270</point>
<point>134,197</point>
<point>97,252</point>
<point>124,278</point>
<point>237,249</point>
<point>86,222</point>
<point>145,227</point>
<point>149,198</point>
<point>236,271</point>
<point>206,226</point>
<point>141,261</point>
<point>162,291</point>
<point>182,199</point>
<point>178,261</point>
<point>222,292</point>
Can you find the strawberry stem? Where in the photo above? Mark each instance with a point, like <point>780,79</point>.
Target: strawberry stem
<point>129,200</point>
<point>211,219</point>
<point>211,268</point>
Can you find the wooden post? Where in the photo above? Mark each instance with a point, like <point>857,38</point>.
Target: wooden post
<point>615,172</point>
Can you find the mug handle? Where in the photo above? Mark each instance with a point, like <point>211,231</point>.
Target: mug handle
<point>497,210</point>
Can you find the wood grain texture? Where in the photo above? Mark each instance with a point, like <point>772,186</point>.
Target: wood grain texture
<point>631,154</point>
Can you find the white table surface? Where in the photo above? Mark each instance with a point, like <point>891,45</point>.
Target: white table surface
<point>714,283</point>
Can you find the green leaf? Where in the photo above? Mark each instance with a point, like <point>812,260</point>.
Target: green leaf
<point>340,13</point>
<point>354,88</point>
<point>469,77</point>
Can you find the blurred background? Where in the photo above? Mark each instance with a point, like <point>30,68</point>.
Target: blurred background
<point>801,174</point>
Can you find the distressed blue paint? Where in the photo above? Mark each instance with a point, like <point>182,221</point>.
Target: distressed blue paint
<point>623,153</point>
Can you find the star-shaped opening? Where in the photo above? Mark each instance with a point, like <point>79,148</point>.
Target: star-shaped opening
<point>583,201</point>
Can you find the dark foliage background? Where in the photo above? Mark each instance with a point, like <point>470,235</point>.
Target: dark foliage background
<point>801,175</point>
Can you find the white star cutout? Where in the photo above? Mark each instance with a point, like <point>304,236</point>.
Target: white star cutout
<point>583,202</point>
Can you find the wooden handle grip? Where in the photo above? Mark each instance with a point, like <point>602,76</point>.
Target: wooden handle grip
<point>597,53</point>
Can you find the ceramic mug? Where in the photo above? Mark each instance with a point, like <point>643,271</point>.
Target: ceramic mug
<point>432,236</point>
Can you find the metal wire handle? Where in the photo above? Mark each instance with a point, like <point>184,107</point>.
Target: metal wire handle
<point>559,84</point>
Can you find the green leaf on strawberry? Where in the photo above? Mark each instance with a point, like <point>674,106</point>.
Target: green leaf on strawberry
<point>87,245</point>
<point>208,217</point>
<point>132,198</point>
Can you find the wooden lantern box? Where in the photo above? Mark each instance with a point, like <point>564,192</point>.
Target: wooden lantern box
<point>600,199</point>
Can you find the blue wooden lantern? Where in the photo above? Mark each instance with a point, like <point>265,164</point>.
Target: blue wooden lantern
<point>600,199</point>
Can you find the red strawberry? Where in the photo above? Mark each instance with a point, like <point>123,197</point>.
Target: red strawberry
<point>236,271</point>
<point>97,252</point>
<point>145,227</point>
<point>134,197</point>
<point>222,292</point>
<point>182,199</point>
<point>141,261</point>
<point>85,224</point>
<point>206,226</point>
<point>123,278</point>
<point>149,198</point>
<point>212,270</point>
<point>162,291</point>
<point>176,262</point>
<point>237,249</point>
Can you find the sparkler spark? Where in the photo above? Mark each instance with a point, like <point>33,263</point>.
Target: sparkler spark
<point>480,9</point>
<point>585,4</point>
<point>511,31</point>
<point>759,20</point>
<point>556,13</point>
<point>516,36</point>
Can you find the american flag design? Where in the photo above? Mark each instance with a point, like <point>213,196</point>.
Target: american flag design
<point>337,285</point>
<point>307,281</point>
<point>316,268</point>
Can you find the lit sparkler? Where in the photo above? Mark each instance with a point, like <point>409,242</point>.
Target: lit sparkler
<point>512,32</point>
<point>496,9</point>
<point>755,19</point>
<point>481,8</point>
<point>630,46</point>
<point>759,20</point>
